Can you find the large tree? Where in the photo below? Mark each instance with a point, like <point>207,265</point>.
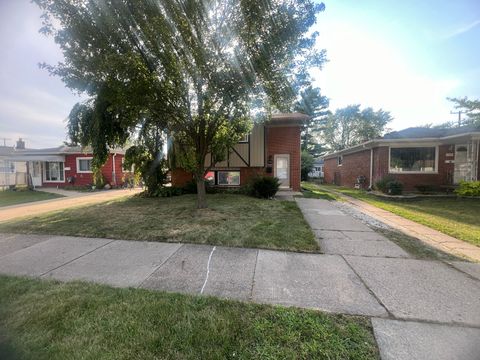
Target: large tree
<point>471,108</point>
<point>201,68</point>
<point>350,126</point>
<point>314,104</point>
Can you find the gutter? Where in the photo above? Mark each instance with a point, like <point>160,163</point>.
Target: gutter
<point>371,169</point>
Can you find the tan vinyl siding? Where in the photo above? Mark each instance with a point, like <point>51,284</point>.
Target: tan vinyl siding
<point>257,154</point>
<point>257,146</point>
<point>242,150</point>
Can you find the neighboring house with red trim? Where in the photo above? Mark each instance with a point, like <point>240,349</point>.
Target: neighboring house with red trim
<point>271,148</point>
<point>66,165</point>
<point>415,156</point>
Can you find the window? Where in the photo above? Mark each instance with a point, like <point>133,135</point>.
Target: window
<point>54,171</point>
<point>7,167</point>
<point>244,139</point>
<point>340,160</point>
<point>413,159</point>
<point>228,178</point>
<point>84,165</point>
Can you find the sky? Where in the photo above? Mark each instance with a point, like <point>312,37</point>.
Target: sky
<point>405,57</point>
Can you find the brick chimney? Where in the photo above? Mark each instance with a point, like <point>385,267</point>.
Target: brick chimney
<point>20,144</point>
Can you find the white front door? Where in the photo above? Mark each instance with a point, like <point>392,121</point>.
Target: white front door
<point>462,169</point>
<point>36,173</point>
<point>282,170</point>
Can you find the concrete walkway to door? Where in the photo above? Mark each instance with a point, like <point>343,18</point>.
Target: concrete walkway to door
<point>419,309</point>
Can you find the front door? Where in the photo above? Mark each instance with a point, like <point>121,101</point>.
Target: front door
<point>36,173</point>
<point>462,169</point>
<point>282,170</point>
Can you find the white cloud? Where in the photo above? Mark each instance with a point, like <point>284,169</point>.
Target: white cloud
<point>461,29</point>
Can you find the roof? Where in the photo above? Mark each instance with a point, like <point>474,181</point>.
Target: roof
<point>423,132</point>
<point>414,134</point>
<point>284,119</point>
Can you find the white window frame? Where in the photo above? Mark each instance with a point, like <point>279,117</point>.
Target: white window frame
<point>12,169</point>
<point>78,165</point>
<point>45,172</point>
<point>392,171</point>
<point>244,139</point>
<point>217,177</point>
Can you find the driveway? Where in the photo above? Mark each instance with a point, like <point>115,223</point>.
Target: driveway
<point>419,309</point>
<point>73,199</point>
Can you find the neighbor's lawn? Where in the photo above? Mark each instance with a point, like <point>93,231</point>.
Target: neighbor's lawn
<point>230,220</point>
<point>456,217</point>
<point>9,197</point>
<point>51,320</point>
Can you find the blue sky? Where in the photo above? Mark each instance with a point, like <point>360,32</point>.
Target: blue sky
<point>403,56</point>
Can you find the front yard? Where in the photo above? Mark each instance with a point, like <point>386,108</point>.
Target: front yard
<point>9,197</point>
<point>230,220</point>
<point>457,217</point>
<point>50,320</point>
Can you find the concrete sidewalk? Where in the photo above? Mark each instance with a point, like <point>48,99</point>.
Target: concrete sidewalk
<point>416,305</point>
<point>425,234</point>
<point>77,199</point>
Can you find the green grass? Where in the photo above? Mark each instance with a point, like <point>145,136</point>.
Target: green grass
<point>10,197</point>
<point>230,220</point>
<point>312,191</point>
<point>457,217</point>
<point>50,320</point>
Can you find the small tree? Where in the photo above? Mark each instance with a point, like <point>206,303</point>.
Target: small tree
<point>307,165</point>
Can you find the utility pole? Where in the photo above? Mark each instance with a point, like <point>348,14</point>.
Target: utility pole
<point>459,112</point>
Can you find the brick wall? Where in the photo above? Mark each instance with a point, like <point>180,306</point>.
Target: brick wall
<point>359,164</point>
<point>286,140</point>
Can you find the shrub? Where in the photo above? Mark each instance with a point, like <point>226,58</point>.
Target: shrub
<point>389,185</point>
<point>168,191</point>
<point>425,188</point>
<point>307,162</point>
<point>263,187</point>
<point>468,188</point>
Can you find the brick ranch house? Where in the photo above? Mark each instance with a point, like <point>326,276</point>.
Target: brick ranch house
<point>65,165</point>
<point>272,148</point>
<point>440,158</point>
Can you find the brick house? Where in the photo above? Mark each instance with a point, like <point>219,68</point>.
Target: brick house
<point>66,165</point>
<point>272,148</point>
<point>415,156</point>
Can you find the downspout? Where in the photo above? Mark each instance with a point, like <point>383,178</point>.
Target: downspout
<point>371,169</point>
<point>113,169</point>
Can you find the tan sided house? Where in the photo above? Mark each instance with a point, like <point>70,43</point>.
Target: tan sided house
<point>439,158</point>
<point>271,149</point>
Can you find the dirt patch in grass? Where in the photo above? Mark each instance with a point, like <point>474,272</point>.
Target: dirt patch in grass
<point>230,220</point>
<point>50,320</point>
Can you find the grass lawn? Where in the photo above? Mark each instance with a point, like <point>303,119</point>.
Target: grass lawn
<point>9,197</point>
<point>51,320</point>
<point>457,217</point>
<point>230,220</point>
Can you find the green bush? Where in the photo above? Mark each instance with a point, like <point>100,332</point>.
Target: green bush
<point>468,188</point>
<point>264,187</point>
<point>389,185</point>
<point>425,188</point>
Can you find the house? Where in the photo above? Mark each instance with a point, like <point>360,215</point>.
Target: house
<point>272,148</point>
<point>415,156</point>
<point>64,165</point>
<point>317,169</point>
<point>11,172</point>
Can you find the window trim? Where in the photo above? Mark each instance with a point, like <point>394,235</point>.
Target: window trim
<point>245,140</point>
<point>13,169</point>
<point>227,185</point>
<point>412,172</point>
<point>78,164</point>
<point>45,172</point>
<point>339,163</point>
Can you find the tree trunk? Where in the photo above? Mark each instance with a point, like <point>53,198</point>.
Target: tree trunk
<point>201,197</point>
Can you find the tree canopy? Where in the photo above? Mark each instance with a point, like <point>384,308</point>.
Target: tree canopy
<point>199,69</point>
<point>350,126</point>
<point>471,108</point>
